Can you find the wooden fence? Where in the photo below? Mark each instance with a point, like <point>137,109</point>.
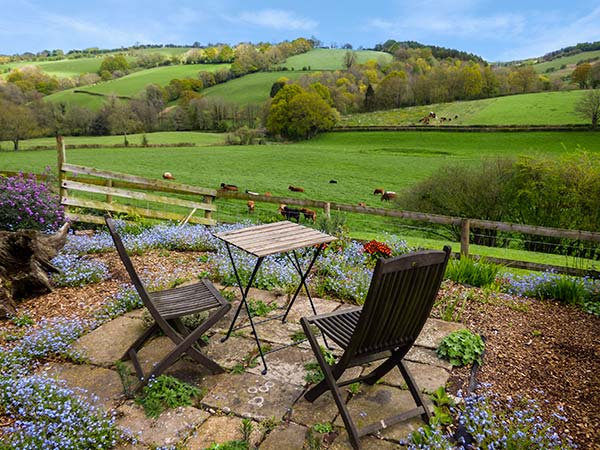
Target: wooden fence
<point>465,225</point>
<point>73,178</point>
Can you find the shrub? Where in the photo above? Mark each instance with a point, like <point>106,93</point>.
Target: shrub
<point>26,203</point>
<point>461,348</point>
<point>472,272</point>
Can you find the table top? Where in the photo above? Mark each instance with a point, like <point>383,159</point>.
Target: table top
<point>272,238</point>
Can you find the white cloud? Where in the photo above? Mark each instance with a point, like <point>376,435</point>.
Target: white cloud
<point>278,20</point>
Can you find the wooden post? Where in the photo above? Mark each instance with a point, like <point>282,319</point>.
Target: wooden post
<point>327,209</point>
<point>61,155</point>
<point>207,213</point>
<point>109,183</point>
<point>464,237</point>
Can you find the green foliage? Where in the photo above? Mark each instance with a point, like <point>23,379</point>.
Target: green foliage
<point>126,377</point>
<point>324,427</point>
<point>230,445</point>
<point>246,427</point>
<point>462,348</point>
<point>22,320</point>
<point>314,374</point>
<point>472,272</point>
<point>166,392</point>
<point>258,308</point>
<point>298,114</point>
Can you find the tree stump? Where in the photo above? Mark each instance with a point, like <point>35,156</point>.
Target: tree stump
<point>24,265</point>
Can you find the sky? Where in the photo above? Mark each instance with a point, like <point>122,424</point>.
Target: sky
<point>496,30</point>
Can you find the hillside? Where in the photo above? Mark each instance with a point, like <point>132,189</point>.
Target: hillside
<point>543,108</point>
<point>332,59</point>
<point>131,84</point>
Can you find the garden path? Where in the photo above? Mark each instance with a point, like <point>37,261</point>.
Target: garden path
<point>281,417</point>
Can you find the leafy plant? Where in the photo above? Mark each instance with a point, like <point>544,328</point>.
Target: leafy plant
<point>323,428</point>
<point>230,445</point>
<point>166,392</point>
<point>246,427</point>
<point>472,272</point>
<point>22,321</point>
<point>461,348</point>
<point>298,336</point>
<point>258,308</point>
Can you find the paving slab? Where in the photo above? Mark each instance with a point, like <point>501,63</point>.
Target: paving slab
<point>428,377</point>
<point>231,352</point>
<point>289,436</point>
<point>285,366</point>
<point>250,395</point>
<point>427,356</point>
<point>100,386</point>
<point>434,331</point>
<point>109,342</point>
<point>375,403</point>
<point>366,443</point>
<point>169,428</point>
<point>220,429</point>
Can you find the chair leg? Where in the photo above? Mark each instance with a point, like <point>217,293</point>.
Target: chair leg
<point>331,384</point>
<point>139,343</point>
<point>414,390</point>
<point>380,371</point>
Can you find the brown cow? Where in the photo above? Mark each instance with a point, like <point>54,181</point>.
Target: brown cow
<point>378,191</point>
<point>267,194</point>
<point>295,188</point>
<point>362,204</point>
<point>229,187</point>
<point>309,214</point>
<point>250,206</point>
<point>388,195</point>
<point>168,176</point>
<point>289,213</point>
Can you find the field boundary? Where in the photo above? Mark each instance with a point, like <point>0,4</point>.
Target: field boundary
<point>465,128</point>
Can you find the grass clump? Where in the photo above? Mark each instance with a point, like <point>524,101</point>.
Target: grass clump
<point>472,272</point>
<point>461,348</point>
<point>166,392</point>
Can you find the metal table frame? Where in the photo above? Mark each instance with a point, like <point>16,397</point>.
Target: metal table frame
<point>270,239</point>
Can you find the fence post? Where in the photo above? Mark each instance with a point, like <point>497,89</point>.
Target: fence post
<point>61,155</point>
<point>207,199</point>
<point>465,231</point>
<point>109,183</point>
<point>327,209</point>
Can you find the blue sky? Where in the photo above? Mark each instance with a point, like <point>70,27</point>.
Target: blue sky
<point>496,30</point>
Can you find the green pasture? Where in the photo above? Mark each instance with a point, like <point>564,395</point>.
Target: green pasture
<point>64,68</point>
<point>131,84</point>
<point>541,108</point>
<point>161,137</point>
<point>332,59</point>
<point>250,89</point>
<point>570,60</point>
<point>358,161</point>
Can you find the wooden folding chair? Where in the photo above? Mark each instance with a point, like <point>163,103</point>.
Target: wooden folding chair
<point>400,298</point>
<point>167,307</point>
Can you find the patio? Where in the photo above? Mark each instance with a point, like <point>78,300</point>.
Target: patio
<point>281,417</point>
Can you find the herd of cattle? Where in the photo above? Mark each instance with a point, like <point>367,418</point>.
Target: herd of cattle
<point>286,211</point>
<point>426,120</point>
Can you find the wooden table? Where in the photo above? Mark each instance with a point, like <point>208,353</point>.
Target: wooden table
<point>271,239</point>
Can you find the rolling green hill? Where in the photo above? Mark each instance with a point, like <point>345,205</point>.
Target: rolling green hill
<point>252,88</point>
<point>130,85</point>
<point>570,61</point>
<point>543,108</point>
<point>331,59</point>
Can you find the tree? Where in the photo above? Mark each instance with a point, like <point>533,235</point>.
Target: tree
<point>349,59</point>
<point>581,75</point>
<point>17,122</point>
<point>588,106</point>
<point>298,114</point>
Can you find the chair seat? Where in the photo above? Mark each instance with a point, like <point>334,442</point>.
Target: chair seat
<point>339,326</point>
<point>184,300</point>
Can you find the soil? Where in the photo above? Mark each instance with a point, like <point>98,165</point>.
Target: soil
<point>535,349</point>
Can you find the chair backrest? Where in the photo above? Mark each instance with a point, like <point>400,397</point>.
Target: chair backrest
<point>400,298</point>
<point>135,279</point>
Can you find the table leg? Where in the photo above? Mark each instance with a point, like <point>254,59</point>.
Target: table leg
<point>303,276</point>
<point>244,301</point>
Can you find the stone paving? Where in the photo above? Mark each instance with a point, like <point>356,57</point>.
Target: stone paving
<point>274,402</point>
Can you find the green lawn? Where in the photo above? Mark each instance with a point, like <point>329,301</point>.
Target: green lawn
<point>542,108</point>
<point>570,60</point>
<point>332,59</point>
<point>250,89</point>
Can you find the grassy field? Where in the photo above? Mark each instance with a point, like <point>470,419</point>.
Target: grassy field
<point>130,85</point>
<point>64,68</point>
<point>254,88</point>
<point>542,108</point>
<point>571,61</point>
<point>332,59</point>
<point>358,161</point>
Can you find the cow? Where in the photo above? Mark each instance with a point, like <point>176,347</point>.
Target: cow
<point>295,188</point>
<point>289,213</point>
<point>168,176</point>
<point>309,214</point>
<point>250,206</point>
<point>229,187</point>
<point>362,204</point>
<point>388,195</point>
<point>378,191</point>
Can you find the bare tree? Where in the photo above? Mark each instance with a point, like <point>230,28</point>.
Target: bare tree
<point>588,106</point>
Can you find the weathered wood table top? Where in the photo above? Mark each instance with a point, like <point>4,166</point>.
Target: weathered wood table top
<point>272,238</point>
